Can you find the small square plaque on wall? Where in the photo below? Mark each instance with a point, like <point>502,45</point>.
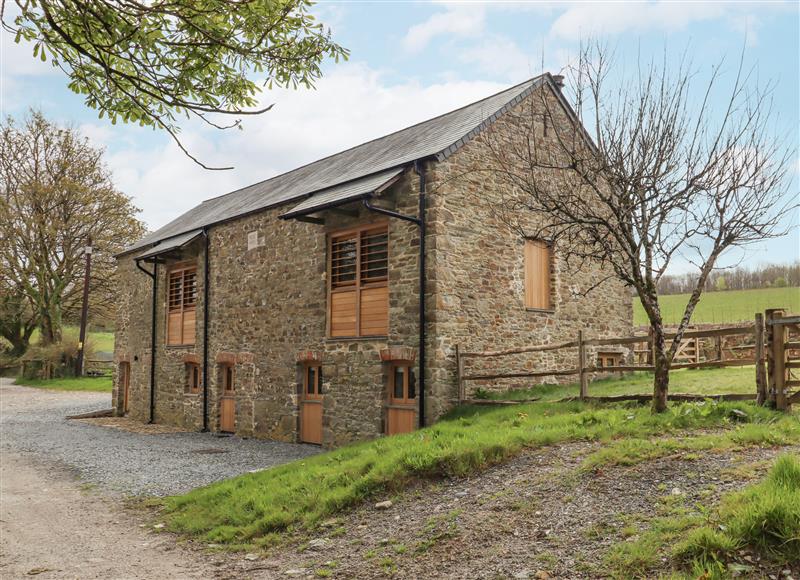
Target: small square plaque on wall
<point>252,240</point>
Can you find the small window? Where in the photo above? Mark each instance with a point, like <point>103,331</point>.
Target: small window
<point>403,384</point>
<point>538,260</point>
<point>608,359</point>
<point>312,382</point>
<point>193,381</point>
<point>228,376</point>
<point>182,303</point>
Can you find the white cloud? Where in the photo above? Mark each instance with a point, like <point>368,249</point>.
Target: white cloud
<point>456,21</point>
<point>352,104</point>
<point>500,57</point>
<point>580,20</point>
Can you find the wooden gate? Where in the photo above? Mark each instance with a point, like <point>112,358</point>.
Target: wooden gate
<point>401,408</point>
<point>311,406</point>
<point>783,358</point>
<point>227,402</point>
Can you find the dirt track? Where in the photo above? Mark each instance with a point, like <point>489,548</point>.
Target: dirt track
<point>51,527</point>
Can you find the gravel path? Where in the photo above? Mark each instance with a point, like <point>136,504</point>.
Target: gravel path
<point>32,422</point>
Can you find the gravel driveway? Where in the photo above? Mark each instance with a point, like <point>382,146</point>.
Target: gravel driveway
<point>32,422</point>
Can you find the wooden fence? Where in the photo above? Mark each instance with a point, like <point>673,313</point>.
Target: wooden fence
<point>783,359</point>
<point>775,343</point>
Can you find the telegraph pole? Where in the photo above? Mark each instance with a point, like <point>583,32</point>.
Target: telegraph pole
<point>87,252</point>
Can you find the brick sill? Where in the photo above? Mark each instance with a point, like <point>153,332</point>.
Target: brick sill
<point>333,339</point>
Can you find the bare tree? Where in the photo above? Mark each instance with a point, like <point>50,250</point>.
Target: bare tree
<point>644,170</point>
<point>55,193</point>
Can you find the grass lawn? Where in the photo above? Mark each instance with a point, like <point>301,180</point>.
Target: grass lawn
<point>723,307</point>
<point>253,509</point>
<point>99,384</point>
<point>99,341</point>
<point>692,381</point>
<point>763,519</point>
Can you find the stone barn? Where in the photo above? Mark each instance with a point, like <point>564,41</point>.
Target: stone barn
<point>291,309</point>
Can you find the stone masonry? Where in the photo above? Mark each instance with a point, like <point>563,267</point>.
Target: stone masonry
<point>268,309</point>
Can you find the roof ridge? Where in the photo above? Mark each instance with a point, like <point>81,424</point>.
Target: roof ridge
<point>428,120</point>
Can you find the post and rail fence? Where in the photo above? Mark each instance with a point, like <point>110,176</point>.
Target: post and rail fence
<point>773,338</point>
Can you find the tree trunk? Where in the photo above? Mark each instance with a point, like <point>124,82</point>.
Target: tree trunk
<point>662,364</point>
<point>50,328</point>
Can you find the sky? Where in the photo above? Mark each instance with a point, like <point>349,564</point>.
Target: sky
<point>411,61</point>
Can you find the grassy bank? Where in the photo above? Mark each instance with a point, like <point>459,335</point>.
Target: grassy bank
<point>723,307</point>
<point>97,384</point>
<point>253,508</point>
<point>693,381</point>
<point>758,524</point>
<point>99,341</point>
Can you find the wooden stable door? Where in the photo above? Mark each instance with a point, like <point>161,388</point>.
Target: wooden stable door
<point>227,402</point>
<point>311,406</point>
<point>125,385</point>
<point>401,411</point>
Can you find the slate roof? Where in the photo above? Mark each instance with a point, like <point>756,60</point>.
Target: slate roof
<point>438,137</point>
<point>350,191</point>
<point>170,244</point>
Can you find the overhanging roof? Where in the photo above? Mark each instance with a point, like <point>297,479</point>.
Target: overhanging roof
<point>170,244</point>
<point>345,193</point>
<point>436,138</point>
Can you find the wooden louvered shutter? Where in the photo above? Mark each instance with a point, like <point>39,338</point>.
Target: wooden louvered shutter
<point>359,273</point>
<point>181,306</point>
<point>344,285</point>
<point>374,292</point>
<point>537,275</point>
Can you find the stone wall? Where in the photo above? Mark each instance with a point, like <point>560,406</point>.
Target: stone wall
<point>267,305</point>
<point>477,273</point>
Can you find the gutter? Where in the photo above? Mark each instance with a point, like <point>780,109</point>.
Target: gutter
<point>206,278</point>
<point>419,221</point>
<point>154,276</point>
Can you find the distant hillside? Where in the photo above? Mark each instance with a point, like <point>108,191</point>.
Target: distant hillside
<point>722,307</point>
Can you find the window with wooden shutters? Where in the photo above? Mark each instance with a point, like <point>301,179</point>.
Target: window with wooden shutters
<point>538,259</point>
<point>359,273</point>
<point>181,307</point>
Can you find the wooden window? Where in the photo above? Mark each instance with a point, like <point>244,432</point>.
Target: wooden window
<point>312,382</point>
<point>193,381</point>
<point>538,258</point>
<point>358,274</point>
<point>181,306</point>
<point>228,379</point>
<point>402,384</point>
<point>608,359</point>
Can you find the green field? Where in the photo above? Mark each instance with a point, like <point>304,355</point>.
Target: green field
<point>723,307</point>
<point>99,341</point>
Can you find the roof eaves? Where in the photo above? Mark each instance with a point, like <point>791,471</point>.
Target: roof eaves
<point>448,151</point>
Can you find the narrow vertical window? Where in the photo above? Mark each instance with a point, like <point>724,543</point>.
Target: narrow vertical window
<point>193,381</point>
<point>538,260</point>
<point>181,306</point>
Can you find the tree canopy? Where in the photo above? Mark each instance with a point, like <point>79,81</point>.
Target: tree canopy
<point>55,194</point>
<point>155,62</point>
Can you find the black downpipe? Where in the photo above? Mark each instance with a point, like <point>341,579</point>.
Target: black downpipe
<point>420,223</point>
<point>206,278</point>
<point>154,276</point>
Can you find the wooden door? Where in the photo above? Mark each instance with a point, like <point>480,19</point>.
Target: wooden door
<point>401,412</point>
<point>125,385</point>
<point>227,402</point>
<point>311,406</point>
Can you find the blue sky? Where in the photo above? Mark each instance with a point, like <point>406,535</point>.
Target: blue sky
<point>411,61</point>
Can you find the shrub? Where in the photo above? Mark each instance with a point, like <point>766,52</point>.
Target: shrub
<point>54,360</point>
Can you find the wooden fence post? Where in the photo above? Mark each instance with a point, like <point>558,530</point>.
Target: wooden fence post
<point>761,371</point>
<point>779,361</point>
<point>460,375</point>
<point>719,348</point>
<point>584,378</point>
